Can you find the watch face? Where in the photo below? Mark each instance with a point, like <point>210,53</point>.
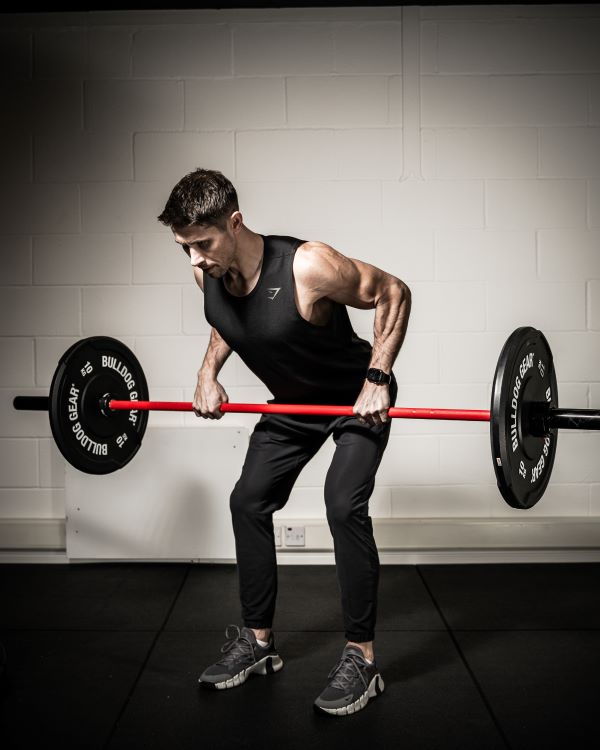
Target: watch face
<point>374,375</point>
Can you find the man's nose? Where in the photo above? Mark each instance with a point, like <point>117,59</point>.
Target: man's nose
<point>195,258</point>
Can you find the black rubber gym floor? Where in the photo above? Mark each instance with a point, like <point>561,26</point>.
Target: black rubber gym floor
<point>473,656</point>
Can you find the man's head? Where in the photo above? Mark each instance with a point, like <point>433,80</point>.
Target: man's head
<point>203,214</point>
<point>202,197</point>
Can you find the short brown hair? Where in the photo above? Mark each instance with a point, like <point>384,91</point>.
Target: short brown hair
<point>203,196</point>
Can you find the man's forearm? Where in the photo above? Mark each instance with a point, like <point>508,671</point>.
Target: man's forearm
<point>392,312</point>
<point>215,356</point>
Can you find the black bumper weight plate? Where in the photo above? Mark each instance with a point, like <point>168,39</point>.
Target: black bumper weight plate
<point>90,440</point>
<point>524,385</point>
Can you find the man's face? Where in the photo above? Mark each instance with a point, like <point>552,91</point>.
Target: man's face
<point>210,248</point>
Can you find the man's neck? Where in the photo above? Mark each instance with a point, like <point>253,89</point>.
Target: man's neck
<point>248,259</point>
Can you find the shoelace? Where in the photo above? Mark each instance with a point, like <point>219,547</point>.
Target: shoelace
<point>236,646</point>
<point>346,671</point>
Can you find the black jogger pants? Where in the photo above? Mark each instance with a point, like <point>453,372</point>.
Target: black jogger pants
<point>280,446</point>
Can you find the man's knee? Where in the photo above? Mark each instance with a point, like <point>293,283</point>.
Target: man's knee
<point>245,500</point>
<point>344,509</point>
<point>254,499</point>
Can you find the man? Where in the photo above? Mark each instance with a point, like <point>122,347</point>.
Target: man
<point>280,303</point>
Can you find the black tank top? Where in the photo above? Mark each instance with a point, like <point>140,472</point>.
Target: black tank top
<point>298,361</point>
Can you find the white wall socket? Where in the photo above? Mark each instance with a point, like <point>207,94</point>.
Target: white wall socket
<point>294,536</point>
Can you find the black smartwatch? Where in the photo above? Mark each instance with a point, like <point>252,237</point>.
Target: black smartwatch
<point>378,376</point>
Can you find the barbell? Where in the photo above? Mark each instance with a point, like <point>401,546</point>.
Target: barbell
<point>98,408</point>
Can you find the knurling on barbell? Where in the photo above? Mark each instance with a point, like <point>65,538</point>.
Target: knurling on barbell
<point>98,409</point>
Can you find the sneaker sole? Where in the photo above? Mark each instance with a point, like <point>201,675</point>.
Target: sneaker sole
<point>268,665</point>
<point>376,687</point>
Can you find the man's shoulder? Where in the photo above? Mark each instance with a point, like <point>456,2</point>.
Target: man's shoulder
<point>316,254</point>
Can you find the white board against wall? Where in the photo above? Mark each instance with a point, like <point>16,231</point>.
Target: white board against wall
<point>170,502</point>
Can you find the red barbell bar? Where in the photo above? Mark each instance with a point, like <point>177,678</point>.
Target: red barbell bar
<point>469,415</point>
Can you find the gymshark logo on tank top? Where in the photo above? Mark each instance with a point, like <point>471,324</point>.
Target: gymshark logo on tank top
<point>272,292</point>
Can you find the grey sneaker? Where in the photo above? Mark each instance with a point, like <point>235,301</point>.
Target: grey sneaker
<point>243,656</point>
<point>353,682</point>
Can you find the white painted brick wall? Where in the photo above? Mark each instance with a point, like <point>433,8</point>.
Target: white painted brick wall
<point>576,356</point>
<point>32,503</point>
<point>131,106</point>
<point>511,304</point>
<point>337,101</point>
<point>361,48</point>
<point>568,254</point>
<point>594,203</point>
<point>436,306</point>
<point>19,463</point>
<point>234,103</point>
<point>16,362</point>
<point>478,100</point>
<point>569,152</point>
<point>60,101</point>
<point>82,157</point>
<point>480,152</point>
<point>47,353</point>
<point>182,51</point>
<point>30,311</point>
<point>173,360</point>
<point>443,501</point>
<point>22,423</point>
<point>482,254</point>
<point>418,360</point>
<point>16,48</point>
<point>40,209</point>
<point>319,154</point>
<point>394,91</point>
<point>594,89</point>
<point>15,255</point>
<point>17,158</point>
<point>142,310</point>
<point>530,46</point>
<point>434,203</point>
<point>82,259</point>
<point>283,49</point>
<point>60,53</point>
<point>109,52</point>
<point>166,156</point>
<point>474,177</point>
<point>299,206</point>
<point>514,204</point>
<point>469,357</point>
<point>286,154</point>
<point>158,259</point>
<point>51,463</point>
<point>406,252</point>
<point>123,206</point>
<point>594,305</point>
